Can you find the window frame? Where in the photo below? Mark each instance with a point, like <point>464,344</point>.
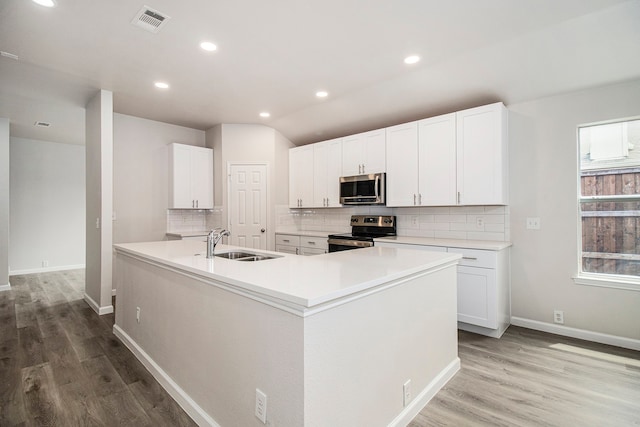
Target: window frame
<point>606,280</point>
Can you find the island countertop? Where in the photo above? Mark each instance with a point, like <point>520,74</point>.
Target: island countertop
<point>300,282</point>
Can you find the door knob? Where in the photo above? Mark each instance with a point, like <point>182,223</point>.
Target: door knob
<point>262,230</point>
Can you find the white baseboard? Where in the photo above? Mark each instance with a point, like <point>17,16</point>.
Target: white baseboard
<point>107,309</point>
<point>179,395</point>
<point>46,269</point>
<point>577,333</point>
<point>6,287</point>
<point>416,405</point>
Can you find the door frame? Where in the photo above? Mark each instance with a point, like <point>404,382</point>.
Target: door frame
<point>270,233</point>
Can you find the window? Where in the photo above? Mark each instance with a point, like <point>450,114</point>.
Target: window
<point>609,200</point>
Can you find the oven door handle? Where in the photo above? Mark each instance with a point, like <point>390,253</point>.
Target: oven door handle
<point>354,243</point>
<point>377,184</point>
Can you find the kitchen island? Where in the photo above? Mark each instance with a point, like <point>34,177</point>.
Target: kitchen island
<point>362,337</point>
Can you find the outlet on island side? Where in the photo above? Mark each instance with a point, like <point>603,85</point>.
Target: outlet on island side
<point>138,314</point>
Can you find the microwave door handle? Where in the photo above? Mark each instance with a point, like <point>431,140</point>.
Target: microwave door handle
<point>377,183</point>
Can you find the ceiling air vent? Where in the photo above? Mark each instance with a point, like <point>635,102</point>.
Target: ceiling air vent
<point>150,19</point>
<point>42,124</point>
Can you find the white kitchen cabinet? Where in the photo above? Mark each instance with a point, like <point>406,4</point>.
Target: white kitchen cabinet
<point>483,283</point>
<point>287,243</point>
<point>437,160</point>
<point>190,177</point>
<point>301,245</point>
<point>301,177</point>
<point>482,157</point>
<point>312,245</point>
<point>402,165</point>
<point>364,153</point>
<point>327,169</point>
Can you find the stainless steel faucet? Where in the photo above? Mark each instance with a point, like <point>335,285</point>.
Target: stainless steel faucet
<point>213,238</point>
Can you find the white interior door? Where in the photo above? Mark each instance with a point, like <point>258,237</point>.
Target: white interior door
<point>248,205</point>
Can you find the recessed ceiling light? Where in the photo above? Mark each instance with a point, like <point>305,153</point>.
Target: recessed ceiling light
<point>322,94</point>
<point>208,46</point>
<point>265,114</point>
<point>161,85</point>
<point>411,59</point>
<point>45,3</point>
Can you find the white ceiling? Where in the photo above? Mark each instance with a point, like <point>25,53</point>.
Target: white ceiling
<point>274,55</point>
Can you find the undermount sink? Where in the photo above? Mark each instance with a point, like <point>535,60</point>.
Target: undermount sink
<point>245,256</point>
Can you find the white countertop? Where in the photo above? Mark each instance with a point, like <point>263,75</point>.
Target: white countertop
<point>187,233</point>
<point>304,281</point>
<point>452,243</point>
<point>309,233</point>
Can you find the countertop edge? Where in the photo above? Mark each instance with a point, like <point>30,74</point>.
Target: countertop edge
<point>294,304</point>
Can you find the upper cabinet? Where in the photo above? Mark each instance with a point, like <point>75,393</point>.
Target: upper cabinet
<point>421,162</point>
<point>437,160</point>
<point>453,159</point>
<point>364,153</point>
<point>327,169</point>
<point>301,177</point>
<point>482,157</point>
<point>402,165</point>
<point>190,177</point>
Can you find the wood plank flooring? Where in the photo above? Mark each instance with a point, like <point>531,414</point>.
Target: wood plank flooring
<point>531,378</point>
<point>61,365</point>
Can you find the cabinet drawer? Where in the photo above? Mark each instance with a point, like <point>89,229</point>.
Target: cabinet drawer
<point>476,257</point>
<point>312,251</point>
<point>287,239</point>
<point>314,242</point>
<point>287,249</point>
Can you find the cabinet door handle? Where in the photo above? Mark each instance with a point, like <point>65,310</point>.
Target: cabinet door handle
<point>362,168</point>
<point>414,199</point>
<point>297,251</point>
<point>285,240</point>
<point>470,258</point>
<point>311,243</point>
<point>193,203</point>
<point>458,197</point>
<point>197,203</point>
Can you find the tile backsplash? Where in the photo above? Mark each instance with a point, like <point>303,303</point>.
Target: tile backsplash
<point>450,222</point>
<point>188,220</point>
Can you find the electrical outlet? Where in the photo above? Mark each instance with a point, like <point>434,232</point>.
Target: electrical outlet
<point>138,314</point>
<point>406,393</point>
<point>45,263</point>
<point>558,316</point>
<point>479,222</point>
<point>533,223</point>
<point>414,221</point>
<point>261,406</point>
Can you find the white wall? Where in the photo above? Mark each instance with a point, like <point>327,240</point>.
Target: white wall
<point>4,204</point>
<point>543,164</point>
<point>47,221</point>
<point>238,143</point>
<point>99,201</point>
<point>141,179</point>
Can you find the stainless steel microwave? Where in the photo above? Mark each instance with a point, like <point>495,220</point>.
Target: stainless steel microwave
<point>367,189</point>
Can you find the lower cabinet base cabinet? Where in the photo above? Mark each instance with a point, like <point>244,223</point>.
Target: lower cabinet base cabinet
<point>301,245</point>
<point>484,296</point>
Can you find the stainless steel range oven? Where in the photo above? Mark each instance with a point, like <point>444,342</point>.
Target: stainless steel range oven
<point>364,228</point>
